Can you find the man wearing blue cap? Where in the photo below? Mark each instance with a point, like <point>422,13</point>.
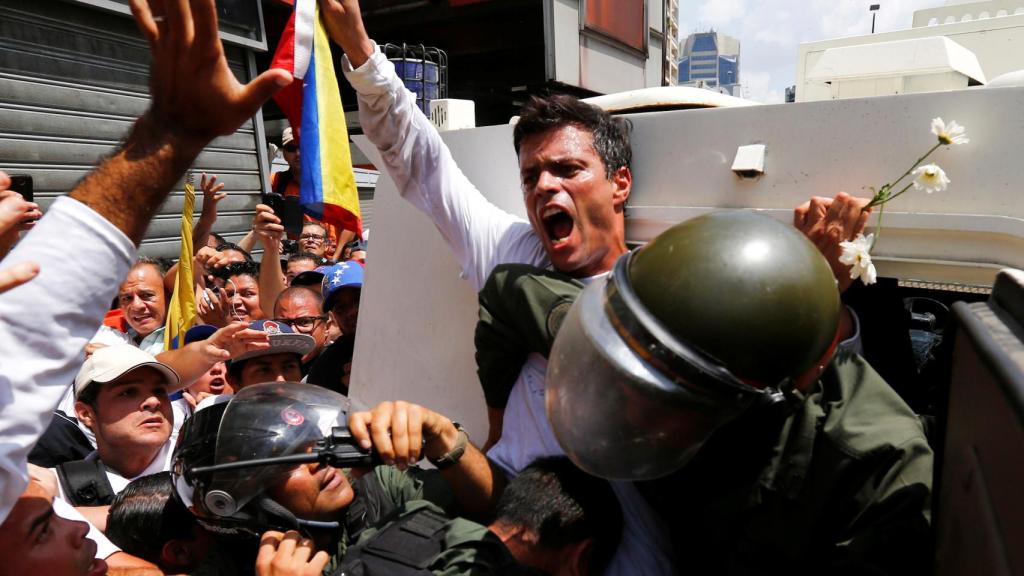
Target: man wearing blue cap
<point>342,285</point>
<point>341,288</point>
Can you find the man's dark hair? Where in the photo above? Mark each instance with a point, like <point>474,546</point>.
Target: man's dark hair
<point>89,394</point>
<point>238,269</point>
<point>563,505</point>
<point>611,135</point>
<point>146,515</point>
<point>299,257</point>
<point>235,247</point>
<point>219,239</point>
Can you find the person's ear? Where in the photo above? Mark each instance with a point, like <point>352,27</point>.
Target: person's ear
<point>577,557</point>
<point>573,559</point>
<point>623,181</point>
<point>85,414</point>
<point>176,553</point>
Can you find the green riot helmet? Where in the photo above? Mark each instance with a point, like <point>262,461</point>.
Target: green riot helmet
<point>229,454</point>
<point>714,315</point>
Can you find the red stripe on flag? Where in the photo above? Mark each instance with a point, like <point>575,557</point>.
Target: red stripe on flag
<point>289,99</point>
<point>338,216</point>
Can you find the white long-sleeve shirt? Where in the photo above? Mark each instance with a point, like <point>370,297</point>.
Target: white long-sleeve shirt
<point>481,236</point>
<point>46,323</point>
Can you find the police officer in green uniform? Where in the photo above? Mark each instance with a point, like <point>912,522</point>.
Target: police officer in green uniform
<point>272,459</point>
<point>705,367</point>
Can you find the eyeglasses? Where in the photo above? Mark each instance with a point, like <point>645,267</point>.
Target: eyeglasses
<point>290,148</point>
<point>318,237</point>
<point>304,324</point>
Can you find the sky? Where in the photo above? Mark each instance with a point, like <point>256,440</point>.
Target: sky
<point>769,31</point>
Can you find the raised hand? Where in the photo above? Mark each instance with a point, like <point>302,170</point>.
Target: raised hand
<point>212,307</point>
<point>829,221</point>
<point>267,225</point>
<point>194,94</point>
<point>402,432</point>
<point>344,24</point>
<point>16,213</point>
<point>213,193</point>
<point>234,340</point>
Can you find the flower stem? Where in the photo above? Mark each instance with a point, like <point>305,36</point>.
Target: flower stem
<point>915,164</point>
<point>894,196</point>
<point>878,227</point>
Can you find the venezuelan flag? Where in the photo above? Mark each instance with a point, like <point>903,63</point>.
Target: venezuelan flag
<point>312,104</point>
<point>182,311</point>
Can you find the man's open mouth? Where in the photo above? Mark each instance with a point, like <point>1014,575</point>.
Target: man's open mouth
<point>558,224</point>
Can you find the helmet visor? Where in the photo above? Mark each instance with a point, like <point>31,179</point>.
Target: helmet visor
<point>267,421</point>
<point>614,414</point>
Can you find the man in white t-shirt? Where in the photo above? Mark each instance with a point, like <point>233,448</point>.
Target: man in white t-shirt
<point>121,395</point>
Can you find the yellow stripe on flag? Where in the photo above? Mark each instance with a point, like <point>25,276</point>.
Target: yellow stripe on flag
<point>182,311</point>
<point>339,182</point>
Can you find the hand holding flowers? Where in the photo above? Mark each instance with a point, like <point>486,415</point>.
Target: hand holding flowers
<point>928,177</point>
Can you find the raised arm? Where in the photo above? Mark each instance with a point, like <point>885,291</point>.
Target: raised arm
<point>268,228</point>
<point>479,233</point>
<point>403,433</point>
<point>213,193</point>
<point>44,327</point>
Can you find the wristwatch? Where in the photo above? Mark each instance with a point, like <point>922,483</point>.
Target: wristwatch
<point>455,454</point>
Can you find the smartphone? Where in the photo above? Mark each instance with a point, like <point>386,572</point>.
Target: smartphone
<point>288,210</point>
<point>22,184</point>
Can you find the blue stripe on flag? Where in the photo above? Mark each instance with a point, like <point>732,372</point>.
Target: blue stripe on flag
<point>312,195</point>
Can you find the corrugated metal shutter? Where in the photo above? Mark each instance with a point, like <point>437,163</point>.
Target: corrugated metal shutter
<point>366,207</point>
<point>72,81</point>
<point>366,180</point>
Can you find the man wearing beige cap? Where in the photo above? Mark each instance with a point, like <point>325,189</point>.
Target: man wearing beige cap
<point>121,395</point>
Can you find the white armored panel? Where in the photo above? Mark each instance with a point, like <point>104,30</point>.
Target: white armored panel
<point>415,339</point>
<point>416,317</point>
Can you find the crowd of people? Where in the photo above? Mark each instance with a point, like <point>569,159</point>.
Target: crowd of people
<point>697,405</point>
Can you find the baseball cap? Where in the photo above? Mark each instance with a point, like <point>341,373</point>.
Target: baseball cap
<point>338,276</point>
<point>283,340</point>
<point>199,333</point>
<point>287,136</point>
<point>111,362</point>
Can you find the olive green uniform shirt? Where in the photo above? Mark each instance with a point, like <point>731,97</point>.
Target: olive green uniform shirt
<point>837,483</point>
<point>399,488</point>
<point>467,548</point>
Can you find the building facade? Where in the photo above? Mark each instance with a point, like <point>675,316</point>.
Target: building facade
<point>711,60</point>
<point>961,44</point>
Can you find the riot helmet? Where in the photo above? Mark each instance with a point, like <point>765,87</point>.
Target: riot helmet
<point>229,454</point>
<point>715,315</point>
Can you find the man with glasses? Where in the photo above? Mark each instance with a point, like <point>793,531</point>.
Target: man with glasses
<point>313,239</point>
<point>341,288</point>
<point>299,309</point>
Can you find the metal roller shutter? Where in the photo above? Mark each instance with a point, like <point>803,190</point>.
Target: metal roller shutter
<point>72,81</point>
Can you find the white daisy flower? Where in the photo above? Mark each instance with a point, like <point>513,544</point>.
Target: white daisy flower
<point>930,178</point>
<point>857,255</point>
<point>951,133</point>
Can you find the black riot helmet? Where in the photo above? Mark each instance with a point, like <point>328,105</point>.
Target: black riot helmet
<point>230,453</point>
<point>715,315</point>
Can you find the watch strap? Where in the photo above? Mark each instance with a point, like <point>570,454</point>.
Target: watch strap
<point>455,454</point>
